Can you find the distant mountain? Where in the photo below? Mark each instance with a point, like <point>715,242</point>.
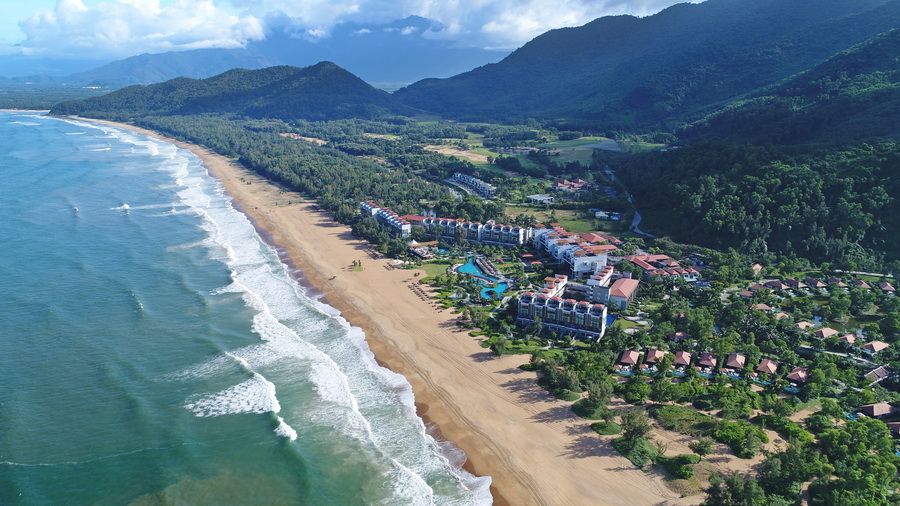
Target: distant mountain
<point>155,68</point>
<point>321,91</point>
<point>400,52</point>
<point>853,95</point>
<point>623,72</point>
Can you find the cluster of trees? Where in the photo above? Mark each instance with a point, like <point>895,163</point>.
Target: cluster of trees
<point>839,205</point>
<point>853,463</point>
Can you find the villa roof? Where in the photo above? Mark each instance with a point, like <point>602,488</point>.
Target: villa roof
<point>736,361</point>
<point>887,287</point>
<point>629,357</point>
<point>804,325</point>
<point>798,374</point>
<point>682,358</point>
<point>825,332</point>
<point>762,307</point>
<point>654,355</point>
<point>678,336</point>
<point>860,283</point>
<point>707,359</point>
<point>875,346</point>
<point>848,338</point>
<point>877,409</point>
<point>878,374</point>
<point>767,366</point>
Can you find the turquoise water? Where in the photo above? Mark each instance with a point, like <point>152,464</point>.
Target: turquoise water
<point>490,291</point>
<point>155,349</point>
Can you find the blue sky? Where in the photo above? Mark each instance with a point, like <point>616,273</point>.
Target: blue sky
<point>121,28</point>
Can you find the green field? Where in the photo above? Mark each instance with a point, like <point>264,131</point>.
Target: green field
<point>574,143</point>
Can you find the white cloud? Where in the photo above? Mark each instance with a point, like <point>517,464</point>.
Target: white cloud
<point>125,27</point>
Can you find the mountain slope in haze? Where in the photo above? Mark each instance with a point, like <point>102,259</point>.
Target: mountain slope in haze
<point>399,52</point>
<point>155,68</point>
<point>853,95</point>
<point>627,72</point>
<point>321,91</point>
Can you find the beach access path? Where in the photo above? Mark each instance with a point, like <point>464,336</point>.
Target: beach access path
<point>533,447</point>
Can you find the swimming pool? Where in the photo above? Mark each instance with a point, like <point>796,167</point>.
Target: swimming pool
<point>489,291</point>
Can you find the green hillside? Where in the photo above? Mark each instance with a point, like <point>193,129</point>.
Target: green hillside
<point>321,91</point>
<point>854,95</point>
<point>631,73</point>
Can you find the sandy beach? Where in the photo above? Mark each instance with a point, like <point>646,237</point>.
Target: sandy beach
<point>532,446</point>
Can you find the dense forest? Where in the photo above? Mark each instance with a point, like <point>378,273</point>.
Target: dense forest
<point>853,95</point>
<point>833,205</point>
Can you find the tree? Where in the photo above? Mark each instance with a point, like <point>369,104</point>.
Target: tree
<point>703,446</point>
<point>734,491</point>
<point>635,424</point>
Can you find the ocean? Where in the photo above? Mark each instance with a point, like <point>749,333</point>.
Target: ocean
<point>154,349</point>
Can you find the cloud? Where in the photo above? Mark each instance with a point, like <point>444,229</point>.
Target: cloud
<point>125,27</point>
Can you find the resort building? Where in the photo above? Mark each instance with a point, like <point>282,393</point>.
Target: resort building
<point>583,254</point>
<point>664,266</point>
<point>398,225</point>
<point>486,233</point>
<point>564,185</point>
<point>479,186</point>
<point>582,320</point>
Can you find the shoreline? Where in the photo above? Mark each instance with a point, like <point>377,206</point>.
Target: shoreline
<point>533,447</point>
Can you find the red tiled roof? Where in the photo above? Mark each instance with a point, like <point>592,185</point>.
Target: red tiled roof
<point>624,288</point>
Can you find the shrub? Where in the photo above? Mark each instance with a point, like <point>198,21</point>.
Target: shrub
<point>790,430</point>
<point>606,428</point>
<point>679,466</point>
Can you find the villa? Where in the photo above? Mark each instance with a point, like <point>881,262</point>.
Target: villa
<point>663,265</point>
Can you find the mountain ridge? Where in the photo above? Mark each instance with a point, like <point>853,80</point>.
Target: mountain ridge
<point>320,91</point>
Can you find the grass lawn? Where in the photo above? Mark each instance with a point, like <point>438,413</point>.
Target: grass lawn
<point>638,147</point>
<point>582,156</point>
<point>626,324</point>
<point>433,269</point>
<point>581,141</point>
